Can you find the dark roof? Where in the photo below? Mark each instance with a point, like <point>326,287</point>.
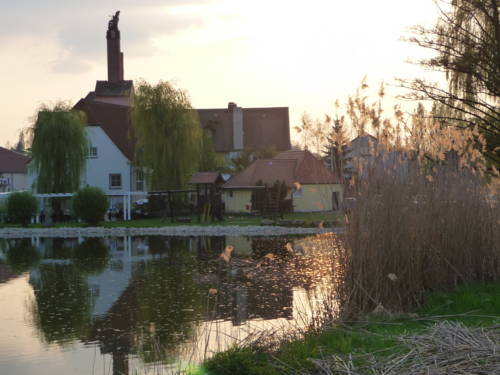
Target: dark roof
<point>289,166</point>
<point>265,127</point>
<point>119,88</point>
<point>12,161</point>
<point>220,122</point>
<point>262,127</point>
<point>206,178</point>
<point>112,118</point>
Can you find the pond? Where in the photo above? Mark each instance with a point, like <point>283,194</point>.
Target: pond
<point>156,304</point>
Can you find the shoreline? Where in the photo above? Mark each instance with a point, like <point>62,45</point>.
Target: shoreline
<point>181,230</point>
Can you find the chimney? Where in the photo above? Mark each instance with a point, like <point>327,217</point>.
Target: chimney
<point>237,114</point>
<point>115,56</point>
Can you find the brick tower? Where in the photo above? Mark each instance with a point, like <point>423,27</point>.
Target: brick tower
<point>115,55</point>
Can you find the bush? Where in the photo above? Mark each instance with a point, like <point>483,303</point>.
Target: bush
<point>90,204</point>
<point>21,207</point>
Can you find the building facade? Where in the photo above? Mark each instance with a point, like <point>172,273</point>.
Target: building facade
<point>13,170</point>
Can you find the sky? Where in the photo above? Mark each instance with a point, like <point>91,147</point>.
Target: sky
<point>261,53</point>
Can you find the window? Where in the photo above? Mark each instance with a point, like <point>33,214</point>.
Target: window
<point>115,181</point>
<point>139,180</point>
<point>230,194</point>
<point>92,152</point>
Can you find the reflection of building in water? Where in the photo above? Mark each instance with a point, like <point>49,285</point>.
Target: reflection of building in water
<point>259,299</point>
<point>150,293</point>
<point>113,331</point>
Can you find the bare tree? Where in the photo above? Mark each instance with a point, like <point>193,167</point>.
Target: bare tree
<point>466,42</point>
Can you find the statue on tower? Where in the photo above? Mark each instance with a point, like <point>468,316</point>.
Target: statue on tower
<point>113,22</point>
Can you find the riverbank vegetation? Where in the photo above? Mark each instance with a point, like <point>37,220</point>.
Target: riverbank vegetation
<point>374,342</point>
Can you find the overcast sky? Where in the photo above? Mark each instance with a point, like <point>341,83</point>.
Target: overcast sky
<point>295,53</point>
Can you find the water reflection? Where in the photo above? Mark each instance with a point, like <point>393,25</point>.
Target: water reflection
<point>157,301</point>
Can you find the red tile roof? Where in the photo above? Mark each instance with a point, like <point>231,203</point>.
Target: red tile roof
<point>267,171</point>
<point>109,105</point>
<point>289,166</point>
<point>309,169</point>
<point>112,118</point>
<point>12,161</point>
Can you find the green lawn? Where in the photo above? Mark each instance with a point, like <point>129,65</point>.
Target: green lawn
<point>473,305</point>
<point>243,220</point>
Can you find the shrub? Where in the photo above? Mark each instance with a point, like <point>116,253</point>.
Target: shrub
<point>90,204</point>
<point>21,206</point>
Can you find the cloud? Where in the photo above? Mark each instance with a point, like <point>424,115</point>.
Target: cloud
<point>80,31</point>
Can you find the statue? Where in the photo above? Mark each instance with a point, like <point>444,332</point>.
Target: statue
<point>113,22</point>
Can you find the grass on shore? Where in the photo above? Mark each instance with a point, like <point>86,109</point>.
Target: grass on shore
<point>474,305</point>
<point>240,220</point>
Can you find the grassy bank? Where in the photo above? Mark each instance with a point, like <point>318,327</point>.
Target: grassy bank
<point>372,338</point>
<point>309,218</point>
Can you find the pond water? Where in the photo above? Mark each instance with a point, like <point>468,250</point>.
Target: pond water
<point>127,305</point>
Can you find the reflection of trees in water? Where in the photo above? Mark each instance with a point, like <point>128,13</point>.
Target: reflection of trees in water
<point>62,305</point>
<point>59,248</point>
<point>169,304</point>
<point>158,310</point>
<point>91,256</point>
<point>22,256</point>
<point>166,296</point>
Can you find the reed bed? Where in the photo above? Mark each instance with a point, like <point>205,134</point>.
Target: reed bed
<point>412,232</point>
<point>446,348</point>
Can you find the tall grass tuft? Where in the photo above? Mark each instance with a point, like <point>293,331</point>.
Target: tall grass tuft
<point>414,231</point>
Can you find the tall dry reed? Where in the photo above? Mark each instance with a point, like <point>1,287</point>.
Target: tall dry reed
<point>414,231</point>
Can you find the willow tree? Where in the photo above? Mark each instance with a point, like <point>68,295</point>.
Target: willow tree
<point>168,134</point>
<point>466,46</point>
<point>58,149</point>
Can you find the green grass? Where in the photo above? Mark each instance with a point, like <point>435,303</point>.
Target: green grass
<point>242,220</point>
<point>474,305</point>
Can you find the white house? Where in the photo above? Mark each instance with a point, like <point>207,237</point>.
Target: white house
<point>13,170</point>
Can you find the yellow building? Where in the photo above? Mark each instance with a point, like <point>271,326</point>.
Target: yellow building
<point>310,185</point>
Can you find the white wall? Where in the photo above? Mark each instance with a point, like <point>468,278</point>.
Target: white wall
<point>17,181</point>
<point>109,160</point>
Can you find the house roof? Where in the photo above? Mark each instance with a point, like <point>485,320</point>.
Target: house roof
<point>266,127</point>
<point>309,169</point>
<point>109,105</point>
<point>289,166</point>
<point>206,178</point>
<point>114,119</point>
<point>267,171</point>
<point>12,161</point>
<point>262,127</point>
